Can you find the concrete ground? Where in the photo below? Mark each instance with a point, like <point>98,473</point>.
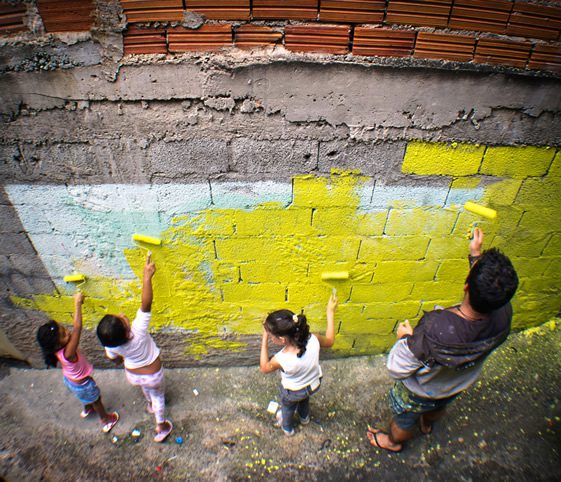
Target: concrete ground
<point>507,427</point>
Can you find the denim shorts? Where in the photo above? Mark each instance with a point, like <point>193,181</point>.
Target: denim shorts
<point>87,392</point>
<point>407,407</point>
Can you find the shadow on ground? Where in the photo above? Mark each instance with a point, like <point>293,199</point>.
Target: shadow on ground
<point>507,427</point>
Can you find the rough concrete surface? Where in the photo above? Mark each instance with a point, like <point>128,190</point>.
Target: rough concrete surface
<point>507,427</point>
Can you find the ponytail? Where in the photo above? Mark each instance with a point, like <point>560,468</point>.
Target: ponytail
<point>302,333</point>
<point>47,337</point>
<point>295,328</point>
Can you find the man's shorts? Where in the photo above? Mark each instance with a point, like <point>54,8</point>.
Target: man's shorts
<point>87,392</point>
<point>407,407</point>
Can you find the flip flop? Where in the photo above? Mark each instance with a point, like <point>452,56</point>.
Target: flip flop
<point>373,439</point>
<point>109,425</point>
<point>161,436</point>
<point>424,428</point>
<point>372,429</point>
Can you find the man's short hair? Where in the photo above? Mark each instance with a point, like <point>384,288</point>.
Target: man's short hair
<point>112,332</point>
<point>492,281</point>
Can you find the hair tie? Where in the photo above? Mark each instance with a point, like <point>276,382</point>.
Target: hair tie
<point>295,318</point>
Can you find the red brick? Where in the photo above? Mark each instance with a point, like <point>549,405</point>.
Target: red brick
<point>144,41</point>
<point>444,46</point>
<point>285,9</point>
<point>383,42</point>
<point>481,15</point>
<point>352,11</point>
<point>546,57</point>
<point>433,13</point>
<point>502,52</point>
<point>534,21</point>
<point>11,18</point>
<point>66,15</point>
<point>205,38</point>
<point>249,36</point>
<point>221,9</point>
<point>333,39</point>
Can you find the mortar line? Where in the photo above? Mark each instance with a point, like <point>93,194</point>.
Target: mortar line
<point>215,250</point>
<point>372,192</point>
<point>358,250</point>
<point>210,189</point>
<point>386,222</point>
<point>455,223</point>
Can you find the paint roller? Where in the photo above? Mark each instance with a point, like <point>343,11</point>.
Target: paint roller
<point>77,278</point>
<point>482,211</point>
<point>333,276</point>
<point>142,238</point>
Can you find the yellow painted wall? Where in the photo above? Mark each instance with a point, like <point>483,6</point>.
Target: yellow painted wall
<point>224,269</point>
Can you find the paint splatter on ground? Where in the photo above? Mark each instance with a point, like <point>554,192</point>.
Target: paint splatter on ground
<point>507,427</point>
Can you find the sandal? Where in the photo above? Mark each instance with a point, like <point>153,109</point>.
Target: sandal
<point>161,436</point>
<point>373,439</point>
<point>426,429</point>
<point>87,411</point>
<point>109,425</point>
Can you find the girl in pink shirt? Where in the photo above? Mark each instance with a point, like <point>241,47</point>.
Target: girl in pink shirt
<point>60,345</point>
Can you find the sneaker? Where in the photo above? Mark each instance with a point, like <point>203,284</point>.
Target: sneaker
<point>109,425</point>
<point>278,416</point>
<point>305,421</point>
<point>86,412</point>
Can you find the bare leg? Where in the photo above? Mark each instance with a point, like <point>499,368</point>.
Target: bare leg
<point>100,410</point>
<point>428,418</point>
<point>392,440</point>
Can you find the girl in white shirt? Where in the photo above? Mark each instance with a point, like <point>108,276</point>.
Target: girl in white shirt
<point>134,344</point>
<point>298,360</point>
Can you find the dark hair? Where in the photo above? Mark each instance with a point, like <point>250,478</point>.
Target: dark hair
<point>112,332</point>
<point>47,337</point>
<point>492,281</point>
<point>282,323</point>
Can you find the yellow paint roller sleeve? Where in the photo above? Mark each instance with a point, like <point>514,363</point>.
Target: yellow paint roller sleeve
<point>141,238</point>
<point>481,210</point>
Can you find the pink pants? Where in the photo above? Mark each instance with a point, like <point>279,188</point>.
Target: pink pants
<point>153,388</point>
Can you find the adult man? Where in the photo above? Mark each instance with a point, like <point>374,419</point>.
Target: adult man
<point>445,352</point>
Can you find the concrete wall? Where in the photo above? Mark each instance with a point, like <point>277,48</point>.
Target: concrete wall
<point>259,172</point>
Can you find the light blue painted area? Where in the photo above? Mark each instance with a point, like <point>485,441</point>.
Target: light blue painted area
<point>461,196</point>
<point>408,196</point>
<point>87,228</point>
<point>247,195</point>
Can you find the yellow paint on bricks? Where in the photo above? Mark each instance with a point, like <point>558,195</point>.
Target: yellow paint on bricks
<point>468,182</point>
<point>381,292</point>
<point>281,252</point>
<point>553,246</point>
<point>420,221</point>
<point>401,271</point>
<point>502,193</point>
<point>555,168</point>
<point>433,290</point>
<point>360,326</point>
<point>396,311</point>
<point>542,192</point>
<point>516,162</point>
<point>397,248</point>
<point>452,270</point>
<point>440,159</point>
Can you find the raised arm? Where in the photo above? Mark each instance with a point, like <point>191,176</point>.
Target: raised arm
<point>147,293</point>
<point>329,339</point>
<point>475,246</point>
<point>72,346</point>
<point>266,365</point>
